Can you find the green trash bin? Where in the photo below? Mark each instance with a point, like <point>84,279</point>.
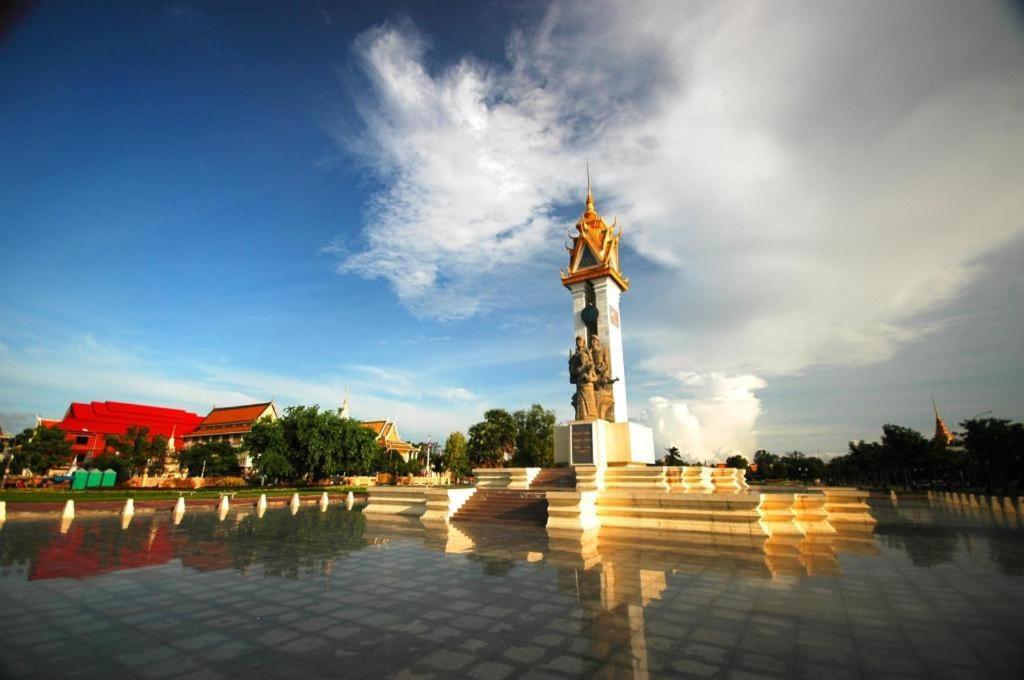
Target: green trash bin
<point>78,479</point>
<point>109,479</point>
<point>94,480</point>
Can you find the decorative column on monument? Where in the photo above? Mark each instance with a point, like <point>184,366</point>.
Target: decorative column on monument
<point>596,363</point>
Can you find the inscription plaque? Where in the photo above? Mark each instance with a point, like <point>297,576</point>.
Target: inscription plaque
<point>581,441</point>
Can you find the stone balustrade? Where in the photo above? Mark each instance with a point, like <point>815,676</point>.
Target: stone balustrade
<point>846,506</point>
<point>697,479</point>
<point>810,515</point>
<point>713,513</point>
<point>639,477</point>
<point>589,478</point>
<point>777,515</point>
<point>572,510</point>
<point>674,477</point>
<point>522,478</point>
<point>441,504</point>
<point>726,480</point>
<point>396,500</point>
<point>492,478</point>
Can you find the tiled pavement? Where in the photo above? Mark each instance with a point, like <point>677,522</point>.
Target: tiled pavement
<point>334,595</point>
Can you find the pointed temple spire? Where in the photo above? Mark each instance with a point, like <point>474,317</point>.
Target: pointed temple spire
<point>942,434</point>
<point>590,197</point>
<point>343,410</point>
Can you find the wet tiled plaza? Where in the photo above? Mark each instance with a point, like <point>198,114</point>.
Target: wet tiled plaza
<point>933,592</point>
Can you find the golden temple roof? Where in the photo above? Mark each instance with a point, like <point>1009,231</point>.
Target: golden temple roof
<point>942,434</point>
<point>595,248</point>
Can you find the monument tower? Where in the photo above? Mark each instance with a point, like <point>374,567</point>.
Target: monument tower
<point>600,432</point>
<point>596,282</point>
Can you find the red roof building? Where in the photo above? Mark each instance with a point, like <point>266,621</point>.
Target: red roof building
<point>88,425</point>
<point>231,423</point>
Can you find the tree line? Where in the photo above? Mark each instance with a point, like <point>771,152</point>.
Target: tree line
<point>987,455</point>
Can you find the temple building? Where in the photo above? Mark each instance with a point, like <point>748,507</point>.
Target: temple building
<point>88,425</point>
<point>230,424</point>
<point>942,437</point>
<point>387,436</point>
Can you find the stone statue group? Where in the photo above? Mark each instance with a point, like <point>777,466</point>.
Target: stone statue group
<point>591,371</point>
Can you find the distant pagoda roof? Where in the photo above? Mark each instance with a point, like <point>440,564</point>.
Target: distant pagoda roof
<point>595,249</point>
<point>942,434</point>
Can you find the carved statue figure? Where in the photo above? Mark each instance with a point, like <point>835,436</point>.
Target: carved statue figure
<point>583,376</point>
<point>603,398</point>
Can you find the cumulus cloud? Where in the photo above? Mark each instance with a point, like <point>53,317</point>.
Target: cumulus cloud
<point>809,179</point>
<point>715,420</point>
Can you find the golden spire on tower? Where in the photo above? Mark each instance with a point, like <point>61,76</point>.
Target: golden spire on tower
<point>595,247</point>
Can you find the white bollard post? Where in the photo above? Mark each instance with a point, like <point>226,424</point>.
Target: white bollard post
<point>67,516</point>
<point>179,510</point>
<point>129,507</point>
<point>1020,505</point>
<point>3,511</point>
<point>1008,505</point>
<point>261,505</point>
<point>994,502</point>
<point>224,508</point>
<point>350,500</point>
<point>892,496</point>
<point>325,500</point>
<point>295,503</point>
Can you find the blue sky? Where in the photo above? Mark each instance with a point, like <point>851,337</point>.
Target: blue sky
<point>215,204</point>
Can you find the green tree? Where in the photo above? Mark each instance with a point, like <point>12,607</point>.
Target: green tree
<point>766,464</point>
<point>211,458</point>
<point>357,447</point>
<point>156,463</point>
<point>737,461</point>
<point>271,456</point>
<point>138,451</point>
<point>535,437</point>
<point>995,447</point>
<point>493,440</point>
<point>673,457</point>
<point>47,447</point>
<point>455,458</point>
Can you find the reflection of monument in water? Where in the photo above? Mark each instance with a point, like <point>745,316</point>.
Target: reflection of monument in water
<point>616,574</point>
<point>600,433</point>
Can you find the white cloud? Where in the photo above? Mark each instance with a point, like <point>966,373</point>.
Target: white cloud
<point>810,177</point>
<point>715,420</point>
<point>87,369</point>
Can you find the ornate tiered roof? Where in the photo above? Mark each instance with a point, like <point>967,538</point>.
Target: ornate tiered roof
<point>942,434</point>
<point>595,249</point>
<point>386,433</point>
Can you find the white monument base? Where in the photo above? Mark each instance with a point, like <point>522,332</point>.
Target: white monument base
<point>600,443</point>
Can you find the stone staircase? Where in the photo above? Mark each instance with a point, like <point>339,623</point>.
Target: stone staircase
<point>555,478</point>
<point>510,506</point>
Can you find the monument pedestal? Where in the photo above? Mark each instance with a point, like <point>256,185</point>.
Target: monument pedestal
<point>601,443</point>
